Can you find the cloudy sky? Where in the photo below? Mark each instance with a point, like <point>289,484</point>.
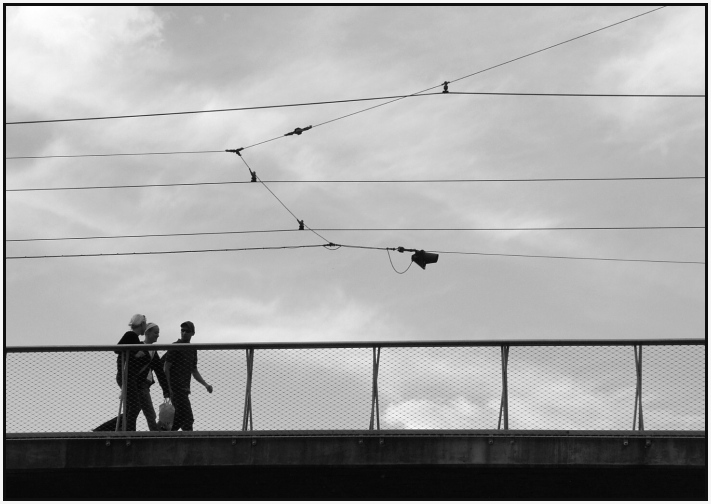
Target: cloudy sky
<point>79,62</point>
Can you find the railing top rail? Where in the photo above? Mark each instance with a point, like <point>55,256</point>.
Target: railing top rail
<point>359,344</point>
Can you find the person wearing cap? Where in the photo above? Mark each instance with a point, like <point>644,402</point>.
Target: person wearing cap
<point>180,367</point>
<point>150,363</point>
<point>133,404</point>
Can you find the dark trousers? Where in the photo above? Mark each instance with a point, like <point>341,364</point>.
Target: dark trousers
<point>183,411</point>
<point>133,408</point>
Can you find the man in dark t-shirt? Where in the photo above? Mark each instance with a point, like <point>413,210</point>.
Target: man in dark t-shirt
<point>180,367</point>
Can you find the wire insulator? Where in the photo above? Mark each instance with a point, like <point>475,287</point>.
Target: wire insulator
<point>254,175</point>
<point>236,151</point>
<point>301,224</point>
<point>298,131</point>
<point>446,87</point>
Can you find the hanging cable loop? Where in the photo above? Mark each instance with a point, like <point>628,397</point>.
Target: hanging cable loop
<point>393,266</point>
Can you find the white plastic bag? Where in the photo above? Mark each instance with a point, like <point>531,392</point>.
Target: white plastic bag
<point>166,414</point>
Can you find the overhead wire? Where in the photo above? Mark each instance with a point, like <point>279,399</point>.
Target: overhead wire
<point>572,257</point>
<point>430,181</point>
<point>381,104</point>
<point>337,246</point>
<point>284,247</point>
<point>263,231</point>
<point>330,244</point>
<point>117,154</point>
<point>352,100</point>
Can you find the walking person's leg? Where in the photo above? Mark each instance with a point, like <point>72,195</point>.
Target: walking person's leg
<point>144,395</point>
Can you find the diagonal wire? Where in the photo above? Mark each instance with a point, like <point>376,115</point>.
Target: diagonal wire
<point>301,222</point>
<point>489,68</point>
<point>558,44</point>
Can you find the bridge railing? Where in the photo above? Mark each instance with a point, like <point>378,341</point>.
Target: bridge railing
<point>536,385</point>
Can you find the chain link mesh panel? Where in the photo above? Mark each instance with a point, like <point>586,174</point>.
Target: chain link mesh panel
<point>431,387</point>
<point>439,388</point>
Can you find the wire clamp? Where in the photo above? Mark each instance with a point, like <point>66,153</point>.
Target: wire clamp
<point>254,175</point>
<point>301,224</point>
<point>446,88</point>
<point>298,131</point>
<point>236,151</point>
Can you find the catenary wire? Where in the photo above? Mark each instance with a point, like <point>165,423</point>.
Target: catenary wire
<point>572,257</point>
<point>352,100</point>
<point>337,246</point>
<point>431,181</point>
<point>217,233</point>
<point>537,256</point>
<point>284,247</point>
<point>118,154</point>
<point>394,100</point>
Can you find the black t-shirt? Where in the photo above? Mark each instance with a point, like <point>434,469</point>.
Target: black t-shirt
<point>182,365</point>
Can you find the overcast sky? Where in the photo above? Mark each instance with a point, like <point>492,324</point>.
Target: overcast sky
<point>74,62</point>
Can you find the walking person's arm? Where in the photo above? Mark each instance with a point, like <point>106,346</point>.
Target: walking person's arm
<point>196,375</point>
<point>166,368</point>
<point>157,367</point>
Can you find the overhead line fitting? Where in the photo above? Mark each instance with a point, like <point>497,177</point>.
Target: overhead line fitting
<point>237,151</point>
<point>446,87</point>
<point>298,131</point>
<point>420,257</point>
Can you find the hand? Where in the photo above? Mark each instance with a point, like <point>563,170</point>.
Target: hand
<point>140,354</point>
<point>209,388</point>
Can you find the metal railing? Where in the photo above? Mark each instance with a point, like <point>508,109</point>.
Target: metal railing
<point>535,385</point>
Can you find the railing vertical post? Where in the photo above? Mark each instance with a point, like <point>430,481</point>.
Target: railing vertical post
<point>124,386</point>
<point>638,391</point>
<point>123,391</point>
<point>504,406</point>
<point>374,403</point>
<point>247,416</point>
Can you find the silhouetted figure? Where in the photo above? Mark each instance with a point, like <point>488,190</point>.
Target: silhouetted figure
<point>133,403</point>
<point>180,366</point>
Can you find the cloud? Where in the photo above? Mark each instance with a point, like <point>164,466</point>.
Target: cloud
<point>458,413</point>
<point>71,59</point>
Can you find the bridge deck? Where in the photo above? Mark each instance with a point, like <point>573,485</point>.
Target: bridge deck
<point>355,448</point>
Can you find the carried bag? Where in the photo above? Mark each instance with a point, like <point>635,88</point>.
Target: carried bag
<point>166,415</point>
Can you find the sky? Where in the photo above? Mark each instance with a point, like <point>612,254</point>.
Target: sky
<point>83,62</point>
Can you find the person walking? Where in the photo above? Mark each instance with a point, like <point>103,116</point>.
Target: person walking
<point>132,405</point>
<point>180,367</point>
<point>150,363</point>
